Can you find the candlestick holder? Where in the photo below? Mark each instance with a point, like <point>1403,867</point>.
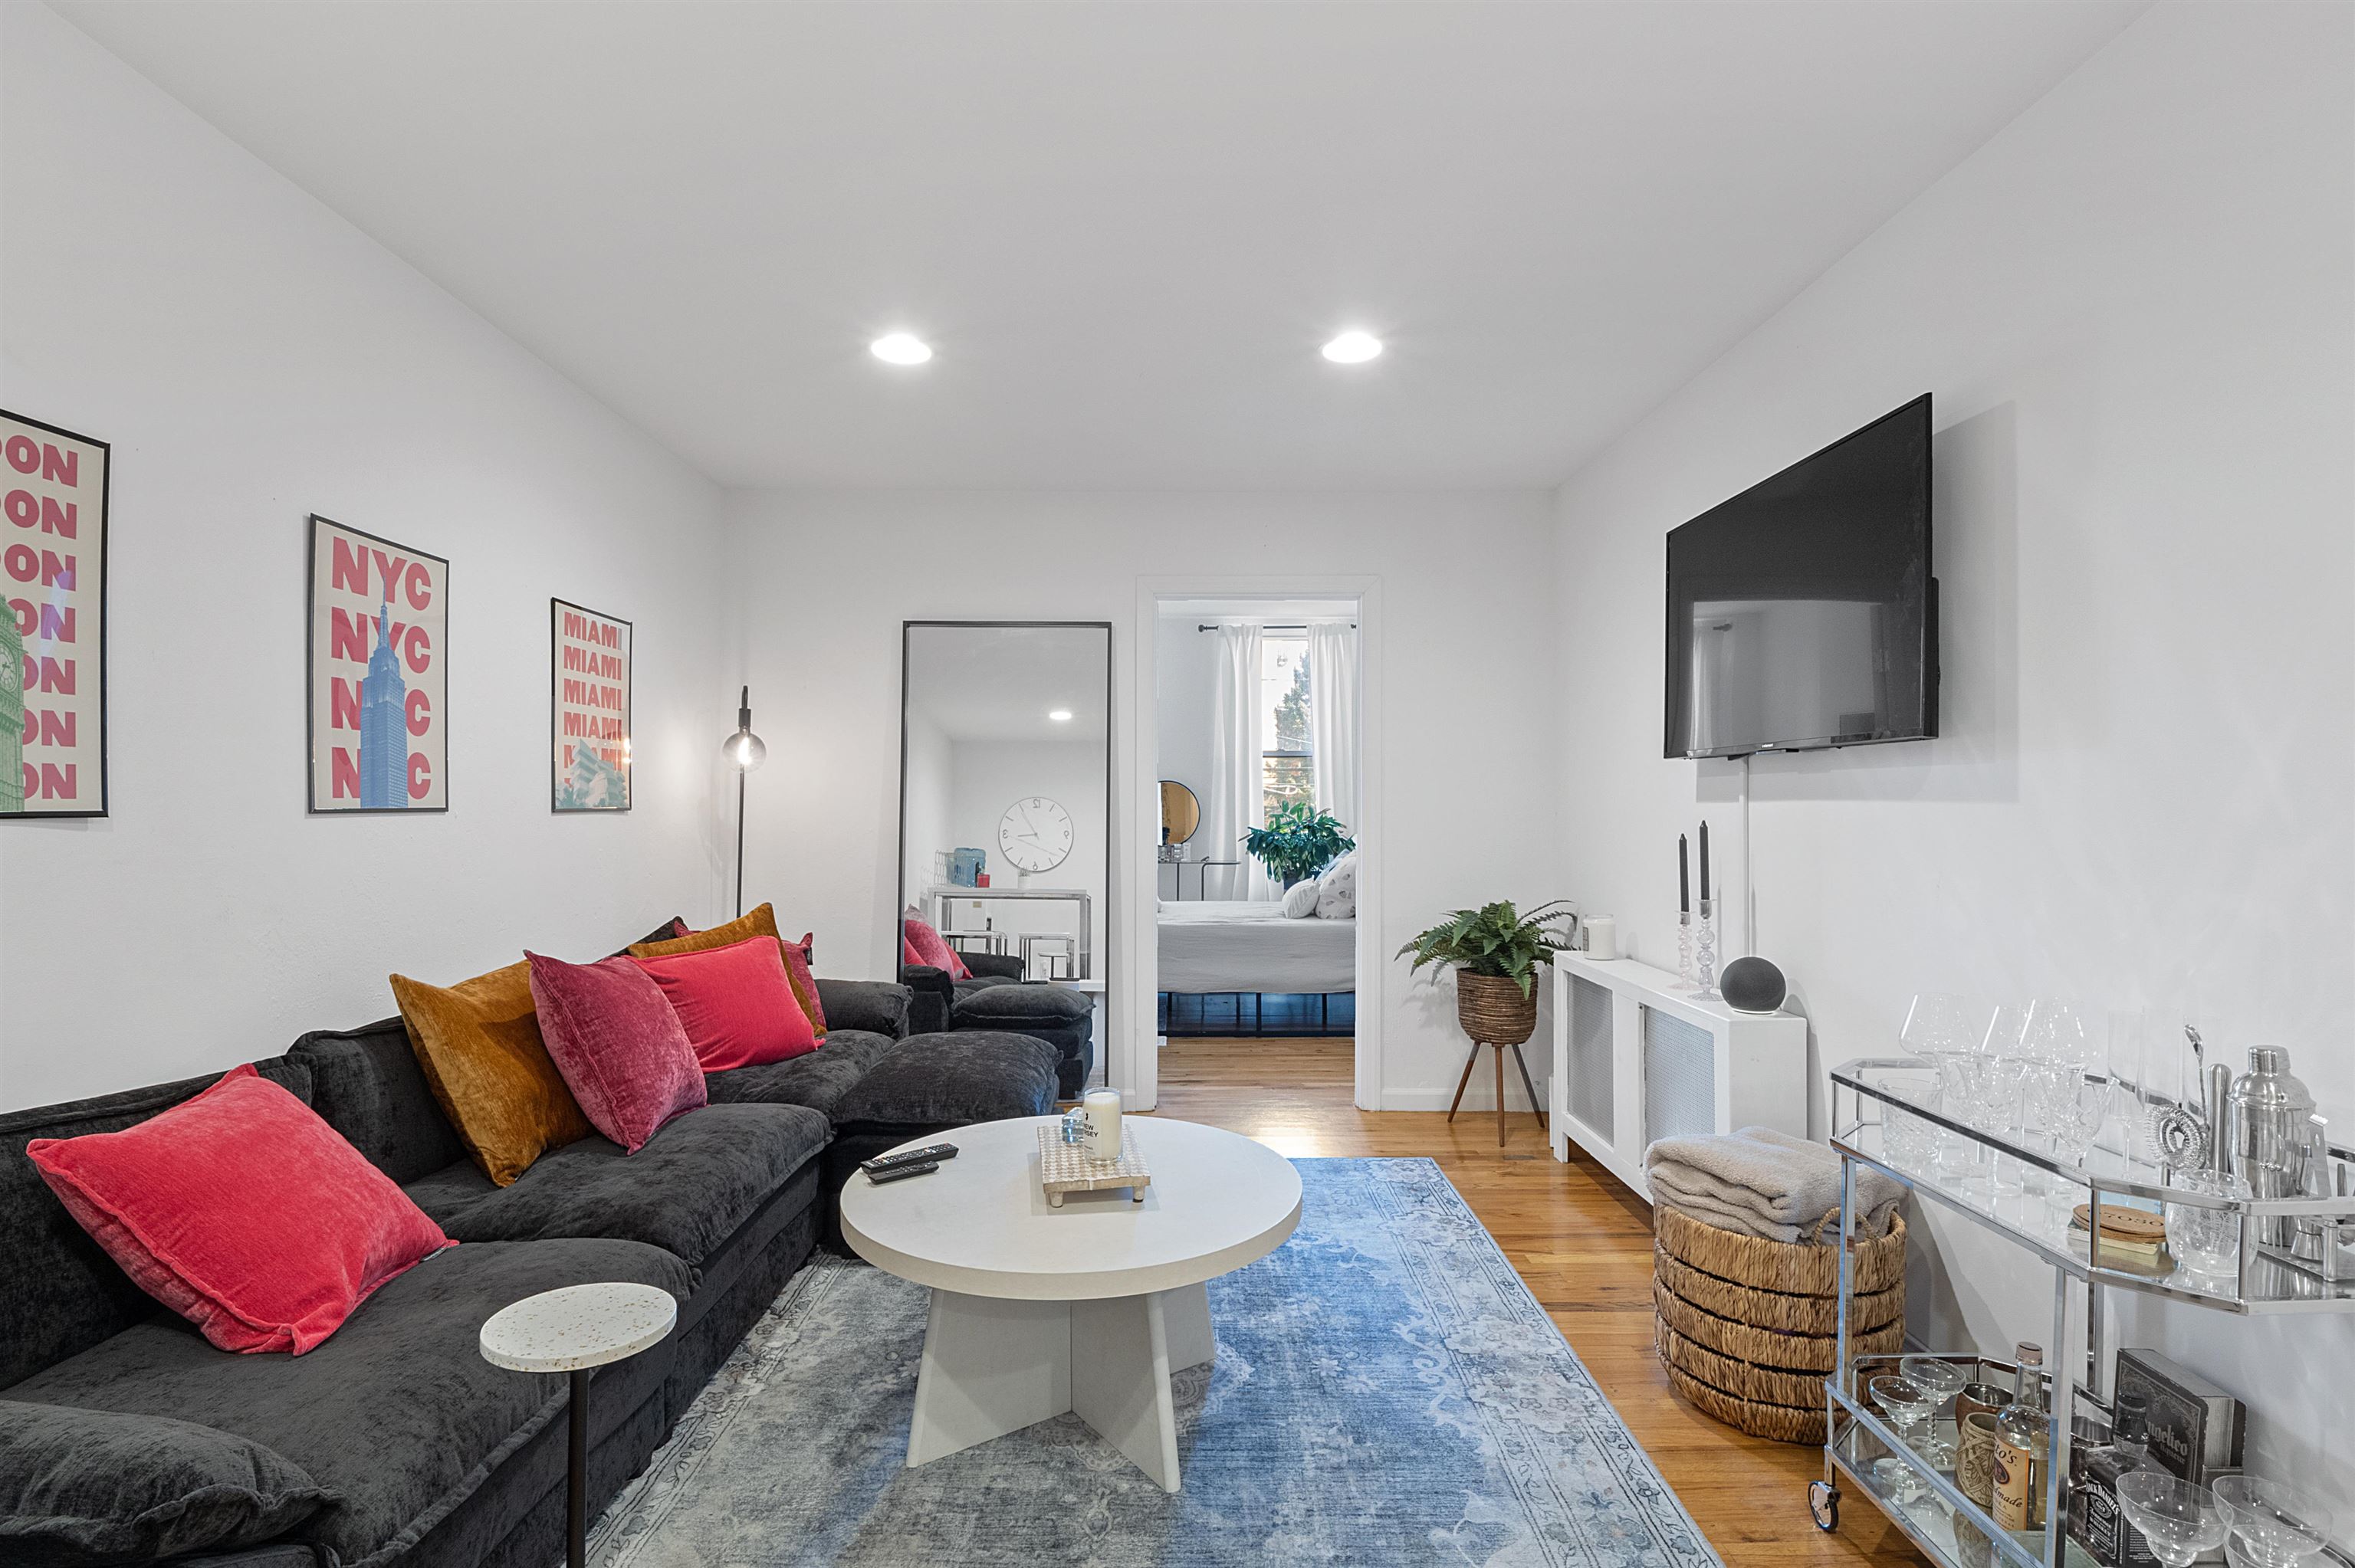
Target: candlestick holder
<point>1705,945</point>
<point>1684,950</point>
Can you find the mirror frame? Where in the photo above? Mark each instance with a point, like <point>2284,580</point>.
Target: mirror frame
<point>899,823</point>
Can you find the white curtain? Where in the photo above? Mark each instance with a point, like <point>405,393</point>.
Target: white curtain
<point>1333,717</point>
<point>1238,796</point>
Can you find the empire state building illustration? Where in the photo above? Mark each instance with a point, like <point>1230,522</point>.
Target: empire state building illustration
<point>384,723</point>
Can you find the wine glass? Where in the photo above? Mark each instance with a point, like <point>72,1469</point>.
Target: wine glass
<point>2178,1520</point>
<point>2053,1030</point>
<point>1942,1380</point>
<point>1945,1030</point>
<point>2274,1524</point>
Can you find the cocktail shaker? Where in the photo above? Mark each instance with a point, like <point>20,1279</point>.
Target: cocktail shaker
<point>2270,1124</point>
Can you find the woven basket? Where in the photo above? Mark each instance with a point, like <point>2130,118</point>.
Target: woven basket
<point>1746,1328</point>
<point>1492,1009</point>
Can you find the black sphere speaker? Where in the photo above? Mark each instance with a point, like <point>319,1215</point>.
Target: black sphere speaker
<point>1751,985</point>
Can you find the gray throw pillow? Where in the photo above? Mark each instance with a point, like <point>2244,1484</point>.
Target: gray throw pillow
<point>1337,890</point>
<point>85,1489</point>
<point>1300,899</point>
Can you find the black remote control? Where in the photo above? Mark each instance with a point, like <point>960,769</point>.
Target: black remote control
<point>929,1151</point>
<point>900,1172</point>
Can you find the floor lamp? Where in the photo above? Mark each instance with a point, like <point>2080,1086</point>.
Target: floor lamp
<point>743,752</point>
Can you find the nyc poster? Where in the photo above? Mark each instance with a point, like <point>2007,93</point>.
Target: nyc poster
<point>378,674</point>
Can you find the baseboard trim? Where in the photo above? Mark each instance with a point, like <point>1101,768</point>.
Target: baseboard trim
<point>1475,1098</point>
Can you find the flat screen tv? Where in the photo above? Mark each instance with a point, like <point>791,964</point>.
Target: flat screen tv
<point>1802,614</point>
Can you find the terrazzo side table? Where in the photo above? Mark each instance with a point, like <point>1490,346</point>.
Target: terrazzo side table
<point>577,1329</point>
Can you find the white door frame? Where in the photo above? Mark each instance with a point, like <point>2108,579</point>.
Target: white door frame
<point>1137,1067</point>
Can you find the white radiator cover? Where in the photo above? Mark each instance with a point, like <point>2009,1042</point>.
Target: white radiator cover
<point>1637,1058</point>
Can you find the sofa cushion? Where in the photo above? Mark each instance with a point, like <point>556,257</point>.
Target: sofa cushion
<point>399,1412</point>
<point>817,1079</point>
<point>1012,1006</point>
<point>700,1177</point>
<point>368,1085</point>
<point>81,1489</point>
<point>242,1212</point>
<point>878,1006</point>
<point>479,1044</point>
<point>59,1293</point>
<point>618,1043</point>
<point>761,922</point>
<point>952,1080</point>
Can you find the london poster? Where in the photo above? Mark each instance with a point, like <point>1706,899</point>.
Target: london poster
<point>378,674</point>
<point>53,631</point>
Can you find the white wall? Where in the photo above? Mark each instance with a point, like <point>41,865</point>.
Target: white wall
<point>1185,683</point>
<point>930,787</point>
<point>254,358</point>
<point>1467,759</point>
<point>2135,308</point>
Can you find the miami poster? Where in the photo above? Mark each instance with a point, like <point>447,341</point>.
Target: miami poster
<point>53,632</point>
<point>379,636</point>
<point>589,723</point>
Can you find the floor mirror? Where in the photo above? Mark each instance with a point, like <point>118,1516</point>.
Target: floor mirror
<point>1006,800</point>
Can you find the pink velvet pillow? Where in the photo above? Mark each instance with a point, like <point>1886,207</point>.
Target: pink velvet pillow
<point>735,1003</point>
<point>242,1212</point>
<point>797,960</point>
<point>933,948</point>
<point>619,1045</point>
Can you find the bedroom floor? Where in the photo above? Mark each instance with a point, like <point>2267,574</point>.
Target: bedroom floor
<point>1581,1241</point>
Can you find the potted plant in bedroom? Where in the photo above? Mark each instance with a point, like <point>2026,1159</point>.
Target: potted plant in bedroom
<point>1496,952</point>
<point>1298,841</point>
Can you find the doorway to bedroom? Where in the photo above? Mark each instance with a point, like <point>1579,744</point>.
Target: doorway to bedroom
<point>1256,723</point>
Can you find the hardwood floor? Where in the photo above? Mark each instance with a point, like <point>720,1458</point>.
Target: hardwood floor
<point>1583,1243</point>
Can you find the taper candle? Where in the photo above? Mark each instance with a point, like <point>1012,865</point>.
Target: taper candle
<point>1704,862</point>
<point>1684,879</point>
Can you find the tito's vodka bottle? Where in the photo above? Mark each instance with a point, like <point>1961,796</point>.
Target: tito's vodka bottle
<point>2023,1447</point>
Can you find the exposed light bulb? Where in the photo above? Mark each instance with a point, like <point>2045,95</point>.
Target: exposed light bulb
<point>1353,347</point>
<point>900,348</point>
<point>1061,715</point>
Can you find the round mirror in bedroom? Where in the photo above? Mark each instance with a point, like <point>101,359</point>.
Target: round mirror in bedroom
<point>1180,812</point>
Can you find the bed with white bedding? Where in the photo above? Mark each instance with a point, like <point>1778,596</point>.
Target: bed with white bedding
<point>1221,945</point>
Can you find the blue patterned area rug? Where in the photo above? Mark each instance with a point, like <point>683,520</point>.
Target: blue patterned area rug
<point>1386,1390</point>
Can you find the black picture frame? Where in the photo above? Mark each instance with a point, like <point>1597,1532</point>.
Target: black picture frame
<point>556,608</point>
<point>312,526</point>
<point>105,622</point>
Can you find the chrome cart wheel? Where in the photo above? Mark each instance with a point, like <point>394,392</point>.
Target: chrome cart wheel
<point>1823,1501</point>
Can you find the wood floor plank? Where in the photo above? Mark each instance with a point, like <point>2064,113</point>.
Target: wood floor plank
<point>1583,1243</point>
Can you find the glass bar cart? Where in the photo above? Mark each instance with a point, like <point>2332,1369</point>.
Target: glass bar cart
<point>1880,1121</point>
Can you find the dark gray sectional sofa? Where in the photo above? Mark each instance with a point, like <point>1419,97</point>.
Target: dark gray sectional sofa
<point>437,1458</point>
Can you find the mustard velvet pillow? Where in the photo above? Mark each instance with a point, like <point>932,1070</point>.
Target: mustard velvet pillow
<point>761,922</point>
<point>479,1045</point>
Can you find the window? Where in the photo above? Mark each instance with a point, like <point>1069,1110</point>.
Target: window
<point>1288,766</point>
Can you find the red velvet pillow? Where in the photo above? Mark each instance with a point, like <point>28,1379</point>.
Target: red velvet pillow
<point>735,1003</point>
<point>242,1212</point>
<point>933,948</point>
<point>619,1045</point>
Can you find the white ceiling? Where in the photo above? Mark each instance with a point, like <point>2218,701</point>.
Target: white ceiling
<point>1125,227</point>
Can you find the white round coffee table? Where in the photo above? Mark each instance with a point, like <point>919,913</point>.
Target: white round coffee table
<point>1087,1308</point>
<point>577,1329</point>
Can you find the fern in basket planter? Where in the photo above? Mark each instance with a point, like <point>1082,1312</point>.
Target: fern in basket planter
<point>1298,841</point>
<point>1496,951</point>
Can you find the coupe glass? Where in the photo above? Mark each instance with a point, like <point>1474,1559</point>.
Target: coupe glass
<point>1907,1406</point>
<point>2274,1525</point>
<point>2178,1520</point>
<point>1942,1380</point>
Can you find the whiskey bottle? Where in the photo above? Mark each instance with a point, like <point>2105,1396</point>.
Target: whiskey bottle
<point>2023,1445</point>
<point>2095,1521</point>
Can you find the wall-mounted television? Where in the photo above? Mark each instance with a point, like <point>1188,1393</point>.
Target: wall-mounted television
<point>1802,614</point>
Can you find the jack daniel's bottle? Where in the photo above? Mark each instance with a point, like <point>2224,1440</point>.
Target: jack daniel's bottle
<point>2095,1521</point>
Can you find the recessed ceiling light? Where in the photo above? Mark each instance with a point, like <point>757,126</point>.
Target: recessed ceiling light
<point>1061,715</point>
<point>1354,348</point>
<point>900,348</point>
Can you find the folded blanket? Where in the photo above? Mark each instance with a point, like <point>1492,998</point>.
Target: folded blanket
<point>1762,1182</point>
